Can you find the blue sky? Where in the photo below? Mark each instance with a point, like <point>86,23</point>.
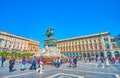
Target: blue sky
<point>69,18</point>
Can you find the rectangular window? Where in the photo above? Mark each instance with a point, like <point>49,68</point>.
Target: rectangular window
<point>107,39</point>
<point>95,46</point>
<point>72,44</point>
<point>94,41</point>
<point>9,38</point>
<point>5,46</point>
<point>90,42</point>
<point>75,43</point>
<point>91,47</point>
<point>9,46</point>
<point>99,41</point>
<point>114,40</point>
<point>17,47</point>
<point>107,46</point>
<point>13,47</point>
<point>100,47</point>
<point>6,41</point>
<point>0,42</point>
<point>111,40</point>
<point>3,37</point>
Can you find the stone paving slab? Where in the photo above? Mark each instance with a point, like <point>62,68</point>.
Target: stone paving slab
<point>56,73</point>
<point>86,70</point>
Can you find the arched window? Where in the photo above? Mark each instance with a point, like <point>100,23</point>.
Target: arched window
<point>113,45</point>
<point>118,44</point>
<point>84,55</point>
<point>88,54</point>
<point>76,54</point>
<point>108,54</point>
<point>106,39</point>
<point>107,46</point>
<point>100,47</point>
<point>80,54</point>
<point>64,54</point>
<point>98,40</point>
<point>97,55</point>
<point>116,53</point>
<point>101,54</point>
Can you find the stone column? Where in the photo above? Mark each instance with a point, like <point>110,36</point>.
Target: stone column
<point>82,56</point>
<point>90,54</point>
<point>86,54</point>
<point>112,54</point>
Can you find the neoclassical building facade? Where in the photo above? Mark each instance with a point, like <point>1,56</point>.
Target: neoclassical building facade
<point>94,45</point>
<point>10,42</point>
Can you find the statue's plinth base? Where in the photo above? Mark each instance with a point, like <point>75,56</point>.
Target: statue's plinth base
<point>49,53</point>
<point>50,42</point>
<point>49,60</point>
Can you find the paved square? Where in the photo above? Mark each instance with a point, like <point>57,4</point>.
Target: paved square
<point>63,75</point>
<point>83,70</point>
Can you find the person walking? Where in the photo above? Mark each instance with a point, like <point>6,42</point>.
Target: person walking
<point>38,62</point>
<point>33,63</point>
<point>43,61</point>
<point>102,62</point>
<point>107,61</point>
<point>114,59</point>
<point>75,62</point>
<point>58,62</point>
<point>11,63</point>
<point>2,60</point>
<point>70,61</point>
<point>41,67</point>
<point>23,63</point>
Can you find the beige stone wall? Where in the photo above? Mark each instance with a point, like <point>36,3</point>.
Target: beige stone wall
<point>33,47</point>
<point>94,44</point>
<point>10,42</point>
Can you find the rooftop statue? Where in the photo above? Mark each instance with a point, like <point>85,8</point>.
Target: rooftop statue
<point>49,32</point>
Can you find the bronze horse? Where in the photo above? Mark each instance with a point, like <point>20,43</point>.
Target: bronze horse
<point>49,32</point>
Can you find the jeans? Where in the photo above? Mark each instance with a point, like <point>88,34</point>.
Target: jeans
<point>1,64</point>
<point>31,67</point>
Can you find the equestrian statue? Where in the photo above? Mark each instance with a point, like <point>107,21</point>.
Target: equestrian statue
<point>49,33</point>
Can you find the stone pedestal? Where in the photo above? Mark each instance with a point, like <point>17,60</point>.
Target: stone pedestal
<point>49,53</point>
<point>50,42</point>
<point>50,50</point>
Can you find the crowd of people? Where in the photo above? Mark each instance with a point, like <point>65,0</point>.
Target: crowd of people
<point>111,60</point>
<point>38,63</point>
<point>73,62</point>
<point>57,62</point>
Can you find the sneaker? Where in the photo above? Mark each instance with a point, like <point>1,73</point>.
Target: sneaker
<point>38,70</point>
<point>41,72</point>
